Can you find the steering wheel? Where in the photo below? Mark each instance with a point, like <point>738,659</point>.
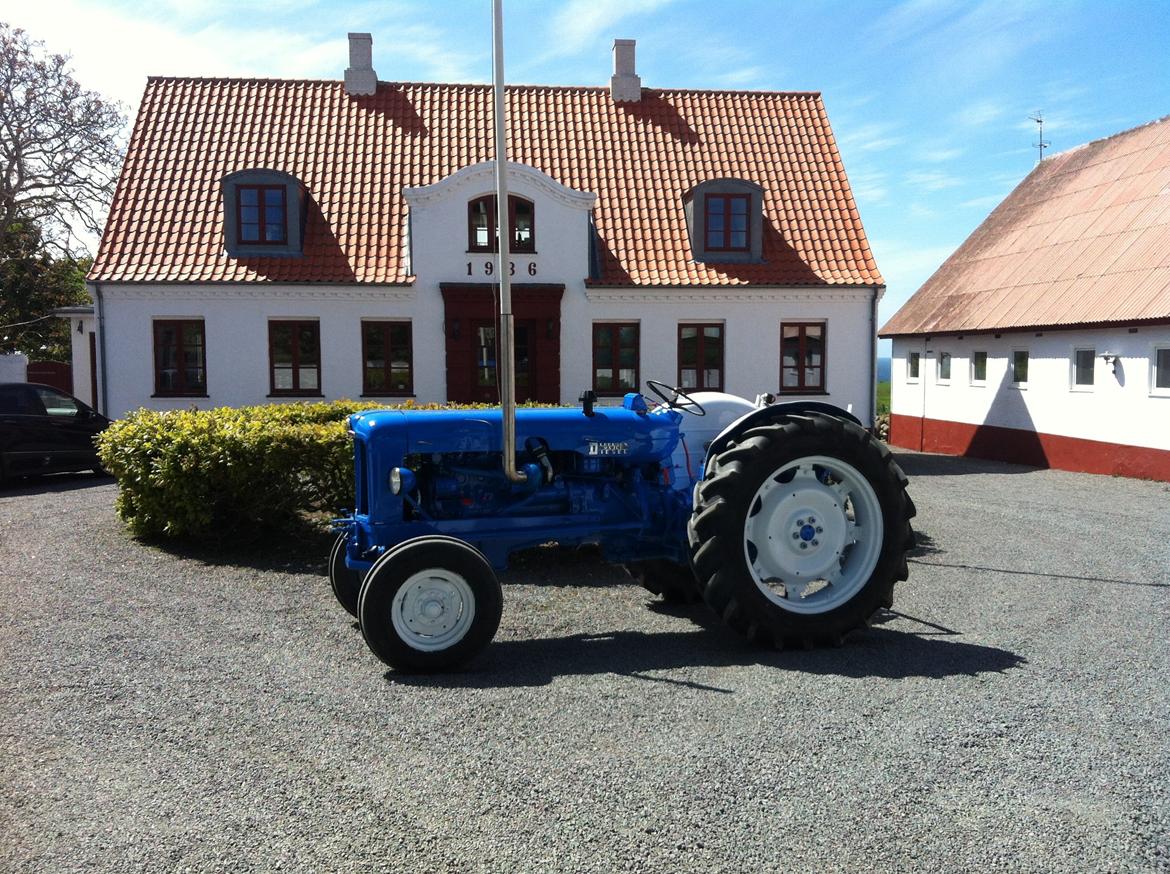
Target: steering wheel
<point>671,396</point>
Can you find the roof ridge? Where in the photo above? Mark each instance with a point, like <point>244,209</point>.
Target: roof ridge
<point>1118,135</point>
<point>515,86</point>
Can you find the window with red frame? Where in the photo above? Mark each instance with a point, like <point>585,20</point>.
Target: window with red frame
<point>700,357</point>
<point>262,218</point>
<point>386,359</point>
<point>180,358</point>
<point>615,358</point>
<point>802,357</point>
<point>726,222</point>
<point>294,355</point>
<point>481,224</point>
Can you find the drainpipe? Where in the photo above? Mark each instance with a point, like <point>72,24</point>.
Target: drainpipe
<point>505,355</point>
<point>877,293</point>
<point>96,288</point>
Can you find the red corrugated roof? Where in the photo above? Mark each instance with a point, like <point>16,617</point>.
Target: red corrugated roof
<point>1083,240</point>
<point>356,154</point>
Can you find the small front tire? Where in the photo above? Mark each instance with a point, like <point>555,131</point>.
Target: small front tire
<point>429,604</point>
<point>346,583</point>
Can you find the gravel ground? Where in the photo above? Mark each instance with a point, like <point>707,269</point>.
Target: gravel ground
<point>163,711</point>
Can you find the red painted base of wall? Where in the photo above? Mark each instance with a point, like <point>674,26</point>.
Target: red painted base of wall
<point>1027,447</point>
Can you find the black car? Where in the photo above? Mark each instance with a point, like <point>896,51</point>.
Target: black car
<point>43,430</point>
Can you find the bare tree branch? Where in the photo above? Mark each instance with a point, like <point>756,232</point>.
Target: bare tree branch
<point>59,144</point>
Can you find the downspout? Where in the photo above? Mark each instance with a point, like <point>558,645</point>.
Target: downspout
<point>505,354</point>
<point>877,294</point>
<point>96,288</point>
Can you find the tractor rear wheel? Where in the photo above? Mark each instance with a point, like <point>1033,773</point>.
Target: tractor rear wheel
<point>346,583</point>
<point>429,603</point>
<point>674,583</point>
<point>800,530</point>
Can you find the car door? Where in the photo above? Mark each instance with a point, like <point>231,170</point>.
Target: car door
<point>71,428</point>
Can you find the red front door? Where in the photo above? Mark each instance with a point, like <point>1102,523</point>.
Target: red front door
<point>485,377</point>
<point>471,332</point>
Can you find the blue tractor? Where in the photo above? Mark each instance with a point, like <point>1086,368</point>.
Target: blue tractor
<point>790,520</point>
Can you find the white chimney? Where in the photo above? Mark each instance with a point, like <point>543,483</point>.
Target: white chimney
<point>625,84</point>
<point>360,78</point>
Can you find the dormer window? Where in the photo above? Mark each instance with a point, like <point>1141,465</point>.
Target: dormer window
<point>725,220</point>
<point>481,224</point>
<point>263,213</point>
<point>727,227</point>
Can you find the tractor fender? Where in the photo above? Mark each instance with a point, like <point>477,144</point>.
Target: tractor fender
<point>770,413</point>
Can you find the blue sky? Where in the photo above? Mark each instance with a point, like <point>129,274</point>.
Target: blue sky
<point>930,99</point>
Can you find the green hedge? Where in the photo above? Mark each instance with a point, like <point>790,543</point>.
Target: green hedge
<point>230,473</point>
<point>233,473</point>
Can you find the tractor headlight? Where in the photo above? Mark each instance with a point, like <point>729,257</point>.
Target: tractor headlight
<point>401,480</point>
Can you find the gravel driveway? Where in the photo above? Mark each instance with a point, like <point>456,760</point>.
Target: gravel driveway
<point>163,711</point>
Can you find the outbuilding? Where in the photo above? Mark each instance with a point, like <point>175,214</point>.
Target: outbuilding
<point>1045,338</point>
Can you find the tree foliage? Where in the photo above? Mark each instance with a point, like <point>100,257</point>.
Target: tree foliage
<point>59,150</point>
<point>32,284</point>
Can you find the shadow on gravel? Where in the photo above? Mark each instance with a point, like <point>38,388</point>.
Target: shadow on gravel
<point>298,552</point>
<point>877,652</point>
<point>55,482</point>
<point>924,545</point>
<point>924,464</point>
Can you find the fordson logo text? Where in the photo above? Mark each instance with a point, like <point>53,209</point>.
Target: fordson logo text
<point>620,448</point>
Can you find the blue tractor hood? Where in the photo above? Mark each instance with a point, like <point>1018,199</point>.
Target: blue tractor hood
<point>611,432</point>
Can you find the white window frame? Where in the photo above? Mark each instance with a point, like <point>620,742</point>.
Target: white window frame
<point>938,365</point>
<point>1021,386</point>
<point>1156,392</point>
<point>977,383</point>
<point>1072,369</point>
<point>914,380</point>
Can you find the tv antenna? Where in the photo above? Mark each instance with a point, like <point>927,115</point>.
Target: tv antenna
<point>1043,144</point>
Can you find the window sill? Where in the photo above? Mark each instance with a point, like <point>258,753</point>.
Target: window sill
<point>1081,389</point>
<point>178,396</point>
<point>294,394</point>
<point>978,383</point>
<point>387,394</point>
<point>1019,386</point>
<point>511,252</point>
<point>788,392</point>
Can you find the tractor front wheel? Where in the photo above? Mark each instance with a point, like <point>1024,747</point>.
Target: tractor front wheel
<point>430,603</point>
<point>346,583</point>
<point>800,530</point>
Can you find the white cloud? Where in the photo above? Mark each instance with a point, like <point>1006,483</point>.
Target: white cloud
<point>869,187</point>
<point>979,114</point>
<point>873,137</point>
<point>932,180</point>
<point>578,24</point>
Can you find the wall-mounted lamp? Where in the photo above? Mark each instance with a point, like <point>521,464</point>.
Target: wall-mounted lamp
<point>1110,358</point>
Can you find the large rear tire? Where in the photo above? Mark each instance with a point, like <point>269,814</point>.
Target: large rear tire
<point>800,530</point>
<point>429,604</point>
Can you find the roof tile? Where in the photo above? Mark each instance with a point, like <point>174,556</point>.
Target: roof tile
<point>355,155</point>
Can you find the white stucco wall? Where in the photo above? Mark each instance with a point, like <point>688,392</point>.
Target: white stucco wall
<point>14,367</point>
<point>1119,408</point>
<point>80,329</point>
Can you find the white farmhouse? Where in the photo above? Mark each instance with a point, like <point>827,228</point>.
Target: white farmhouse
<point>325,239</point>
<point>1045,338</point>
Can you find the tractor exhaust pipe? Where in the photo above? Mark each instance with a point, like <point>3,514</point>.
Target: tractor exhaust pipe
<point>505,352</point>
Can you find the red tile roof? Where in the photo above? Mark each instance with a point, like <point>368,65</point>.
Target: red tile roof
<point>356,154</point>
<point>1083,240</point>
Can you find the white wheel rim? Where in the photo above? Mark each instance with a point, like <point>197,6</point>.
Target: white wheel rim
<point>813,534</point>
<point>433,610</point>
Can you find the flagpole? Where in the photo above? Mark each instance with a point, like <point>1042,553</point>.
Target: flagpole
<point>505,352</point>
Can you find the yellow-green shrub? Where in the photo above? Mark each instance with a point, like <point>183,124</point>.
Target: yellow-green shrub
<point>230,472</point>
<point>233,472</point>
